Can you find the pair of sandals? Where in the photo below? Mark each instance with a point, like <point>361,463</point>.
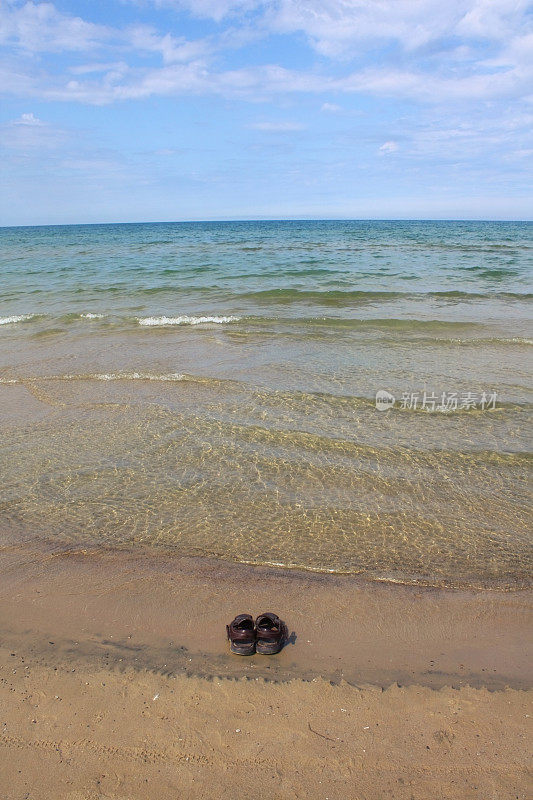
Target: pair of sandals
<point>266,635</point>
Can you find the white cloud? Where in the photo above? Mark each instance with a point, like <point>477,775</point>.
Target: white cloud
<point>145,39</point>
<point>334,27</point>
<point>123,67</point>
<point>265,83</point>
<point>28,119</point>
<point>213,9</point>
<point>331,108</point>
<point>437,89</point>
<point>29,134</point>
<point>491,19</point>
<point>389,147</point>
<point>87,69</point>
<point>39,27</point>
<point>450,136</point>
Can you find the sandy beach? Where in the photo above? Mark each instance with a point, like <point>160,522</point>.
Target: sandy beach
<point>116,682</point>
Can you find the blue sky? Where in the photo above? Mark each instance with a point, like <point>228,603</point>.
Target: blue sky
<point>146,110</point>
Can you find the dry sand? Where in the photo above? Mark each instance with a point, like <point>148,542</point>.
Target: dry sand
<point>116,683</point>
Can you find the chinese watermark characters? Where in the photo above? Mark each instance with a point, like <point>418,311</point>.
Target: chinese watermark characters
<point>441,402</point>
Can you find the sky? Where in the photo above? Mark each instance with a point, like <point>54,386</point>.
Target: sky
<point>160,110</point>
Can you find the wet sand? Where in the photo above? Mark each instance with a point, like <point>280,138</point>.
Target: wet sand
<point>116,682</point>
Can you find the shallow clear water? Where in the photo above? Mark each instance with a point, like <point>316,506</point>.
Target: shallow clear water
<point>209,388</point>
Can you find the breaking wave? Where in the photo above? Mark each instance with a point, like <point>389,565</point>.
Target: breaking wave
<point>184,320</point>
<point>15,318</point>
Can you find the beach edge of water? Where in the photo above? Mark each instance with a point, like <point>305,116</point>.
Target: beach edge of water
<point>160,608</point>
<point>116,682</point>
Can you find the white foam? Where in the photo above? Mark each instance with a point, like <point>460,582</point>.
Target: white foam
<point>15,318</point>
<point>90,315</point>
<point>184,320</point>
<point>126,376</point>
<point>103,376</point>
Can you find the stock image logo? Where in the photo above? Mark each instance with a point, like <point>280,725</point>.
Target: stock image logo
<point>384,400</point>
<point>442,402</point>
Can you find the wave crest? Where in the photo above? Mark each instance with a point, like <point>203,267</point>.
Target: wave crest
<point>15,318</point>
<point>184,320</point>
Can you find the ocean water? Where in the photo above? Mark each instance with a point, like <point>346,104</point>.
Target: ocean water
<point>210,389</point>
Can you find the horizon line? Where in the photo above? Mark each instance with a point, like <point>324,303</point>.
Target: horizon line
<point>261,219</point>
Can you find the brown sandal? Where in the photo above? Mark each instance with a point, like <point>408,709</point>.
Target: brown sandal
<point>241,635</point>
<point>270,633</point>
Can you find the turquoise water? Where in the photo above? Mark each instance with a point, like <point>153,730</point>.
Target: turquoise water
<point>340,270</point>
<point>209,388</point>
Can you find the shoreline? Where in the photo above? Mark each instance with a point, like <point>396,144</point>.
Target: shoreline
<point>116,683</point>
<point>162,609</point>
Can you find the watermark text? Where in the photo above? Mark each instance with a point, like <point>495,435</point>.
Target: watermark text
<point>439,402</point>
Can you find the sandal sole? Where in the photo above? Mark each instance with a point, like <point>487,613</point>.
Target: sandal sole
<point>269,649</point>
<point>242,649</point>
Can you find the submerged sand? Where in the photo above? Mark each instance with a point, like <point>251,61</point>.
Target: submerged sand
<point>116,682</point>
